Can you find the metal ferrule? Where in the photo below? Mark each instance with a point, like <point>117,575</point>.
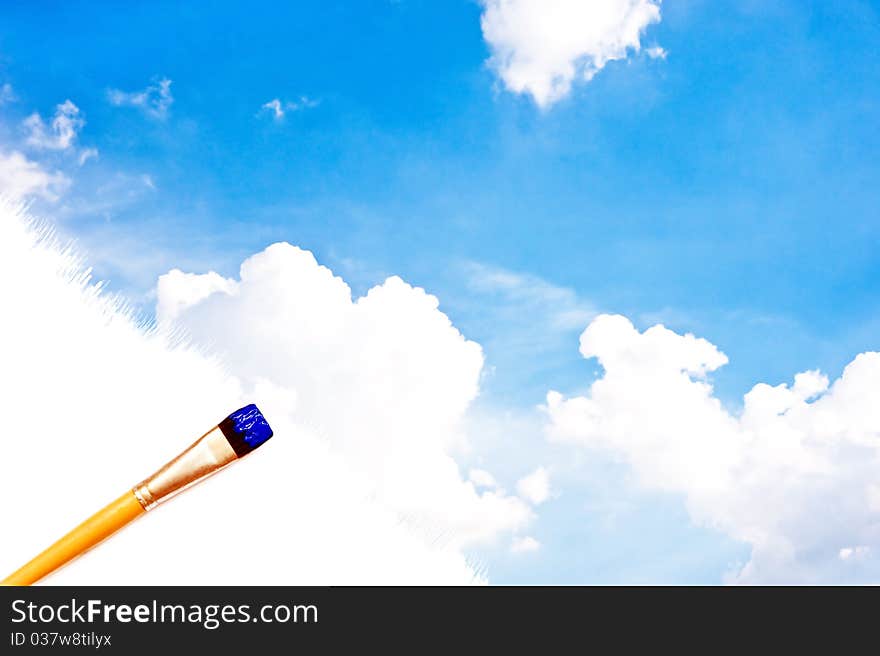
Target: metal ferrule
<point>209,454</point>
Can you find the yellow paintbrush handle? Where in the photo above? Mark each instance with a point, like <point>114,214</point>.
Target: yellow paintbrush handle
<point>94,530</point>
<point>234,437</point>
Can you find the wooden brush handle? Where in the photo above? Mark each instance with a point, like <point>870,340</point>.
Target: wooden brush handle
<point>94,530</point>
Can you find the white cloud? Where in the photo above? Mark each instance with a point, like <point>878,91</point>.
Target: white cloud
<point>535,488</point>
<point>526,323</point>
<point>60,134</point>
<point>154,100</point>
<point>540,47</point>
<point>482,478</point>
<point>278,109</point>
<point>275,107</point>
<point>852,553</point>
<point>792,475</point>
<point>86,154</point>
<point>385,379</point>
<point>21,178</point>
<point>526,544</point>
<point>531,297</point>
<point>177,290</point>
<point>304,102</point>
<point>656,52</point>
<point>95,402</point>
<point>7,95</point>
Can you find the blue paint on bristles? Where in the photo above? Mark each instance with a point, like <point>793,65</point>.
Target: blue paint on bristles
<point>246,429</point>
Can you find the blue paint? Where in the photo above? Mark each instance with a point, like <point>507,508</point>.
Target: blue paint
<point>249,424</point>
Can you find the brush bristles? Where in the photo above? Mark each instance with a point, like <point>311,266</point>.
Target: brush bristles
<point>246,429</point>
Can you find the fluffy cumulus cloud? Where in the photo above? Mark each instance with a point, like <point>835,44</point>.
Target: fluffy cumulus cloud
<point>154,100</point>
<point>22,178</point>
<point>535,487</point>
<point>540,47</point>
<point>385,379</point>
<point>60,133</point>
<point>794,474</point>
<point>364,396</point>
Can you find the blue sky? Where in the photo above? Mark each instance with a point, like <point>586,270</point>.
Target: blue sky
<point>729,189</point>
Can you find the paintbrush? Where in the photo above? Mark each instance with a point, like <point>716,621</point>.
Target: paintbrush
<point>234,437</point>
